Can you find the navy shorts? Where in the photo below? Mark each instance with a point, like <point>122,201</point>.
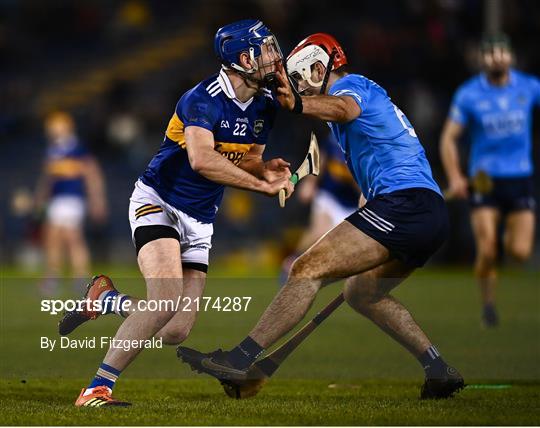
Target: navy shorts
<point>412,223</point>
<point>508,194</point>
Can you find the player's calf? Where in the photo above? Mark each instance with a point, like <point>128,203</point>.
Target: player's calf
<point>175,334</point>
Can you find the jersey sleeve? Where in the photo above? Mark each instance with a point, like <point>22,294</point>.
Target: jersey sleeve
<point>198,109</point>
<point>459,111</point>
<point>536,90</point>
<point>349,86</point>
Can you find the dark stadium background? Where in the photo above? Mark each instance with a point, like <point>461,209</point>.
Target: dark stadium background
<point>120,67</point>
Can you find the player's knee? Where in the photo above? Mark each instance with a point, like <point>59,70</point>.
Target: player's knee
<point>360,296</point>
<point>520,253</point>
<point>302,268</point>
<point>161,318</point>
<point>175,335</point>
<point>487,252</point>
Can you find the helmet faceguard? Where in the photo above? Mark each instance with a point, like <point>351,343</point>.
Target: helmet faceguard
<point>253,37</point>
<point>318,47</point>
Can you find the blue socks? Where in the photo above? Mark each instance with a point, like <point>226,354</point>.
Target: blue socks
<point>105,376</point>
<point>112,302</point>
<point>245,354</point>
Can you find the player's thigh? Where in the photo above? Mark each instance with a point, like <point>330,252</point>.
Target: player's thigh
<point>160,264</point>
<point>53,235</point>
<point>519,233</point>
<point>344,251</point>
<point>193,288</point>
<point>74,237</point>
<point>371,285</point>
<point>485,222</point>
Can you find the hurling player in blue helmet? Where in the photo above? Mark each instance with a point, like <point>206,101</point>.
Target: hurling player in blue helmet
<point>215,137</point>
<point>403,222</point>
<point>495,107</point>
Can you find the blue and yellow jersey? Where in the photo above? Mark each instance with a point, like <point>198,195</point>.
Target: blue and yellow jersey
<point>499,121</point>
<point>381,147</point>
<point>236,126</point>
<point>64,166</point>
<point>336,177</point>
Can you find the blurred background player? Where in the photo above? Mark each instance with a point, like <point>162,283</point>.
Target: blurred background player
<point>333,196</point>
<point>70,185</point>
<point>215,138</point>
<point>495,107</point>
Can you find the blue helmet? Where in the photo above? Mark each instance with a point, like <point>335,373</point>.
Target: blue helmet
<point>248,36</point>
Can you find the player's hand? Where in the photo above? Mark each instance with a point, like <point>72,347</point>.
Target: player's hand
<point>276,168</point>
<point>284,90</point>
<point>458,187</point>
<point>273,188</point>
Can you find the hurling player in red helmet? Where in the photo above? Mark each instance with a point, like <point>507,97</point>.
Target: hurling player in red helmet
<point>401,223</point>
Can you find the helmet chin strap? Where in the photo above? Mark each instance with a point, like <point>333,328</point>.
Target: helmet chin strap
<point>328,71</point>
<point>268,81</point>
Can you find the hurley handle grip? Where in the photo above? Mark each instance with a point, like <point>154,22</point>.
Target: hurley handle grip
<point>283,193</point>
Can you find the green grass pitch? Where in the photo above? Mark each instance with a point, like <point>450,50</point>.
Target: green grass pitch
<point>346,373</point>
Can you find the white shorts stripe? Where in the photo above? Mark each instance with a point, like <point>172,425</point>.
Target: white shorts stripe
<point>384,226</point>
<point>195,237</point>
<point>380,218</point>
<point>372,222</point>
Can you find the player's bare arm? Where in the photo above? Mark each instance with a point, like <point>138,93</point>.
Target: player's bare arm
<point>210,164</point>
<point>95,187</point>
<point>457,181</point>
<point>340,109</point>
<point>269,171</point>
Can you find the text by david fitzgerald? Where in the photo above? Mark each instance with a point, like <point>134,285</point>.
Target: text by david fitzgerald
<point>103,342</point>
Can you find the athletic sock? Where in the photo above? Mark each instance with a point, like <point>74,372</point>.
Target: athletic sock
<point>112,302</point>
<point>105,376</point>
<point>245,354</point>
<point>432,363</point>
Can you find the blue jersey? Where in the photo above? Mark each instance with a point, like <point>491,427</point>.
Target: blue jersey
<point>381,146</point>
<point>65,168</point>
<point>336,177</point>
<point>236,126</point>
<point>499,119</point>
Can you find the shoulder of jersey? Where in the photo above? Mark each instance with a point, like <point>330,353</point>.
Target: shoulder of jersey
<point>216,85</point>
<point>524,77</point>
<point>472,82</point>
<point>207,87</point>
<point>470,87</point>
<point>355,80</point>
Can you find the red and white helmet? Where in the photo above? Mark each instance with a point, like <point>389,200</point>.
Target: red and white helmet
<point>314,48</point>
